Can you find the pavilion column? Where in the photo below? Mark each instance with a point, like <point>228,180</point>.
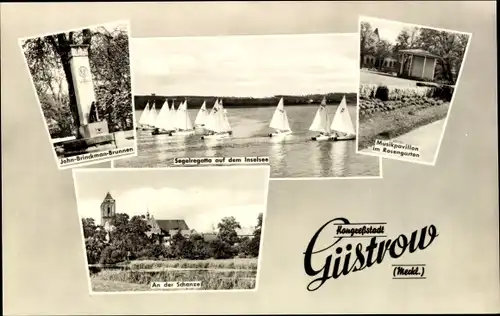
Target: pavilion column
<point>411,63</point>
<point>434,68</point>
<point>402,63</point>
<point>423,68</point>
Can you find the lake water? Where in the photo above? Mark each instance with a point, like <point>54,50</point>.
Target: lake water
<point>294,156</point>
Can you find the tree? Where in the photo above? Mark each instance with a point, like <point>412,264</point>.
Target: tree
<point>89,227</point>
<point>201,249</point>
<point>227,230</point>
<point>406,39</point>
<point>253,245</point>
<point>48,60</point>
<point>368,41</point>
<point>221,249</point>
<point>450,46</point>
<point>383,49</point>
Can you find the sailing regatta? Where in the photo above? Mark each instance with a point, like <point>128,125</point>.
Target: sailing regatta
<point>342,126</point>
<point>279,121</point>
<point>320,123</point>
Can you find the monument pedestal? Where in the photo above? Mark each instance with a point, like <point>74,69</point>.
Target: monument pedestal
<point>95,129</point>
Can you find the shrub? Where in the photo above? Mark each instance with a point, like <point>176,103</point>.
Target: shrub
<point>367,91</point>
<point>112,254</point>
<point>221,249</point>
<point>382,93</point>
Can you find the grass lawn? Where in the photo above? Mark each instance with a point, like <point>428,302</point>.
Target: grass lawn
<point>391,124</point>
<point>214,274</point>
<point>99,285</point>
<point>369,77</point>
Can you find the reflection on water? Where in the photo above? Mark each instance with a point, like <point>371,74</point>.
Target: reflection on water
<point>293,155</point>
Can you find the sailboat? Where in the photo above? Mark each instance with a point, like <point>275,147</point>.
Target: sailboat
<point>341,126</point>
<point>279,121</point>
<point>182,123</point>
<point>151,118</point>
<point>217,123</point>
<point>202,115</point>
<point>320,123</point>
<point>164,120</point>
<point>144,117</point>
<point>227,126</point>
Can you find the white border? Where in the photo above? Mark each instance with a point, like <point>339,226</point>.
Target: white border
<point>380,176</point>
<point>259,260</point>
<point>412,160</point>
<point>64,167</point>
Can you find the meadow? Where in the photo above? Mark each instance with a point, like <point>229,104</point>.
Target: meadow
<point>214,274</point>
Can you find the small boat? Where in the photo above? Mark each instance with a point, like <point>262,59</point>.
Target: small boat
<point>279,121</point>
<point>182,123</point>
<point>217,123</point>
<point>164,120</point>
<point>342,124</point>
<point>202,115</point>
<point>320,123</point>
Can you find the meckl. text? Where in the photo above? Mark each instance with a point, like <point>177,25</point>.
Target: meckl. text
<point>339,263</point>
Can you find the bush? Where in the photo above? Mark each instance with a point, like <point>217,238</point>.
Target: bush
<point>382,93</point>
<point>221,249</point>
<point>112,255</point>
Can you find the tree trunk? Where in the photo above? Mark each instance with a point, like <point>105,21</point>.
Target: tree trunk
<point>62,47</point>
<point>65,60</point>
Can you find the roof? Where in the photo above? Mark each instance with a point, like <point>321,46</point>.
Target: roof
<point>183,232</point>
<point>209,237</point>
<point>172,224</point>
<point>419,52</point>
<point>245,231</point>
<point>108,197</point>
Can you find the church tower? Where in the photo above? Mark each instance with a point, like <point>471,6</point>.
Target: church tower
<point>108,210</point>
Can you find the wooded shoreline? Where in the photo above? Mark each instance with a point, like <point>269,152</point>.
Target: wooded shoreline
<point>140,101</point>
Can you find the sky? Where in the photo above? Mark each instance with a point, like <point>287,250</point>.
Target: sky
<point>246,66</point>
<point>200,196</point>
<point>388,30</point>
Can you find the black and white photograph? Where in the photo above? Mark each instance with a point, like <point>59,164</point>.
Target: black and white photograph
<point>172,229</point>
<point>82,82</point>
<point>286,100</point>
<point>408,77</point>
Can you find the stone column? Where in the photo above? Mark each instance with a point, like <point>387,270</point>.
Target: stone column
<point>423,67</point>
<point>402,64</point>
<point>434,68</point>
<point>85,93</point>
<point>82,80</point>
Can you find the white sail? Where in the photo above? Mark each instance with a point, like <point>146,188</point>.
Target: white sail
<point>182,120</point>
<point>152,116</point>
<point>202,115</point>
<point>320,122</point>
<point>214,121</point>
<point>279,120</point>
<point>164,119</point>
<point>226,127</point>
<point>144,115</point>
<point>342,120</point>
<point>161,114</point>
